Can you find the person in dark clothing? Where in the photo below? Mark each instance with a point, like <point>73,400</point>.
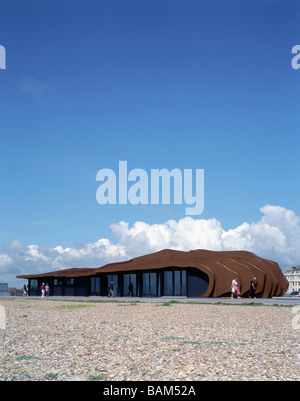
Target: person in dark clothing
<point>253,286</point>
<point>111,290</point>
<point>25,292</point>
<point>130,290</point>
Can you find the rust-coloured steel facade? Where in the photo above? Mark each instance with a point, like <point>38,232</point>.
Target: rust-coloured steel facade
<point>212,271</point>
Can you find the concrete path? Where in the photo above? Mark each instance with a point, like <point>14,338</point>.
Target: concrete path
<point>265,301</point>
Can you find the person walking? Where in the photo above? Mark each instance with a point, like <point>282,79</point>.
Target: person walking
<point>234,287</point>
<point>43,289</point>
<point>130,290</point>
<point>111,290</point>
<point>47,289</point>
<point>25,292</point>
<point>253,285</point>
<point>235,292</point>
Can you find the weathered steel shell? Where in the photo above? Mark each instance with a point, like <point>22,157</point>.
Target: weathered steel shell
<point>220,267</point>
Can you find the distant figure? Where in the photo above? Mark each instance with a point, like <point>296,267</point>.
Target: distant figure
<point>111,290</point>
<point>233,287</point>
<point>253,286</point>
<point>235,291</point>
<point>25,292</point>
<point>130,290</point>
<point>43,289</point>
<point>47,289</point>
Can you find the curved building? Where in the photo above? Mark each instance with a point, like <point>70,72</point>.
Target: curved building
<point>198,273</point>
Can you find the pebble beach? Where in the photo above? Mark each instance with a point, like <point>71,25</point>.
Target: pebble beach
<point>121,341</point>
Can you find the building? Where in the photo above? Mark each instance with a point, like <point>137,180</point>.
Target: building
<point>13,291</point>
<point>293,277</point>
<point>198,273</point>
<point>3,288</point>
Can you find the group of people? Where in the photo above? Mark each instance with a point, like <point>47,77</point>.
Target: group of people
<point>235,289</point>
<point>111,290</point>
<point>45,289</point>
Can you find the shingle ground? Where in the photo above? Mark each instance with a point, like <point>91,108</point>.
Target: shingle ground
<point>59,340</point>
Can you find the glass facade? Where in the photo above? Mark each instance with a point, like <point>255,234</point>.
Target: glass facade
<point>130,285</point>
<point>175,283</point>
<point>151,284</point>
<point>183,283</point>
<point>69,282</point>
<point>95,285</point>
<point>59,282</point>
<point>33,285</point>
<point>168,282</point>
<point>113,278</point>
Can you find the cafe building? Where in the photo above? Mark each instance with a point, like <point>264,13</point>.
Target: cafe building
<point>167,273</point>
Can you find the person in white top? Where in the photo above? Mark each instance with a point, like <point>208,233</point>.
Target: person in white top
<point>235,291</point>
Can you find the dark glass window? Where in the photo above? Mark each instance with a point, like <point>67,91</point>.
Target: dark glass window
<point>114,278</point>
<point>183,283</point>
<point>127,279</point>
<point>33,285</point>
<point>95,285</point>
<point>149,284</point>
<point>159,284</point>
<point>175,283</point>
<point>146,285</point>
<point>153,285</point>
<point>168,283</point>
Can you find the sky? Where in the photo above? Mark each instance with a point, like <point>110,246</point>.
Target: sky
<point>179,84</point>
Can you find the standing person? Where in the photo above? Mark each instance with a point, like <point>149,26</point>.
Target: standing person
<point>130,290</point>
<point>25,293</point>
<point>238,291</point>
<point>111,289</point>
<point>253,286</point>
<point>43,289</point>
<point>47,289</point>
<point>234,288</point>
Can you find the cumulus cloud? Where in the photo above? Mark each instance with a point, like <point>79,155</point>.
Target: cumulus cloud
<point>275,236</point>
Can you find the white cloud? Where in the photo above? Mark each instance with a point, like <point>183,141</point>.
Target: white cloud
<point>5,262</point>
<point>275,236</point>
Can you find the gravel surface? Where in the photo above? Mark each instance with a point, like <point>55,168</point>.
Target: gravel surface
<point>58,340</point>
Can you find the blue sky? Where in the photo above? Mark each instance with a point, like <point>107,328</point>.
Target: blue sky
<point>161,84</point>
